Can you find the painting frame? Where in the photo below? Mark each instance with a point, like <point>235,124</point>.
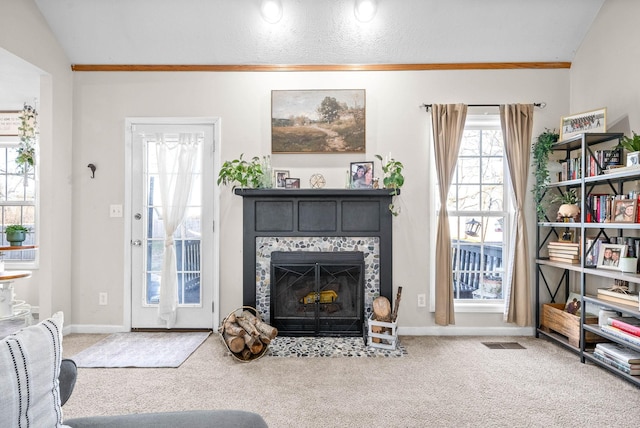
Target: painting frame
<point>609,262</point>
<point>313,121</point>
<point>361,175</point>
<point>279,178</point>
<point>10,122</point>
<point>588,121</point>
<point>292,183</point>
<point>620,213</point>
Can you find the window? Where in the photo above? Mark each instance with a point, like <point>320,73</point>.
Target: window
<point>18,203</point>
<point>478,212</point>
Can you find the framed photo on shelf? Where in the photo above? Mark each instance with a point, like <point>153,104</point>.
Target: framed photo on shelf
<point>609,256</point>
<point>633,159</point>
<point>624,210</point>
<point>589,121</point>
<point>292,183</point>
<point>361,175</point>
<point>280,178</point>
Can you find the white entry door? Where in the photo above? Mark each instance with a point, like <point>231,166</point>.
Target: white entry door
<point>193,239</point>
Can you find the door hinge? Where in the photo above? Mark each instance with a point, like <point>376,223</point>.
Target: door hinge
<point>213,226</point>
<point>213,306</point>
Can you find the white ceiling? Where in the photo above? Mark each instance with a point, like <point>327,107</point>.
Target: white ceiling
<point>319,32</point>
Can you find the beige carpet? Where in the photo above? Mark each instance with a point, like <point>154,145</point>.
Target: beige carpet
<point>441,382</point>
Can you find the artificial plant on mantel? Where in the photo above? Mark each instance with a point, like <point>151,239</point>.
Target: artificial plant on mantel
<point>541,149</point>
<point>248,174</point>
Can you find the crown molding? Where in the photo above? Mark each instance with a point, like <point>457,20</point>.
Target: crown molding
<point>323,67</point>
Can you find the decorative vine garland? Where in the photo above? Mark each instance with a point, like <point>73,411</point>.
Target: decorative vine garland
<point>27,132</point>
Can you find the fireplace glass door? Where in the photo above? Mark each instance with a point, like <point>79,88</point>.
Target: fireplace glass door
<point>317,293</point>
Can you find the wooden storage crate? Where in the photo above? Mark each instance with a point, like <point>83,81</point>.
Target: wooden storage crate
<point>388,337</point>
<point>554,318</point>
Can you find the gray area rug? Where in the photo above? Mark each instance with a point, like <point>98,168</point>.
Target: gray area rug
<point>165,349</point>
<point>283,346</point>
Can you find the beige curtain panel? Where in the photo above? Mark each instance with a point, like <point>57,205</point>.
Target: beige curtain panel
<point>517,125</point>
<point>447,122</point>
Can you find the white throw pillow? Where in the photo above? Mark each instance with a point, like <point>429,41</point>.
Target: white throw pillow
<point>29,368</point>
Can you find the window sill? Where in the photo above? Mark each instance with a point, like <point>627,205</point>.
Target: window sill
<point>496,306</point>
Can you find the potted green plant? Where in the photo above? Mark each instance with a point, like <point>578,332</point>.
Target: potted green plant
<point>630,144</point>
<point>569,208</point>
<point>393,178</point>
<point>16,234</point>
<point>541,149</point>
<point>243,173</point>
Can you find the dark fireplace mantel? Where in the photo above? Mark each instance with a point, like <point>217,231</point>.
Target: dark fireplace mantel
<point>315,213</point>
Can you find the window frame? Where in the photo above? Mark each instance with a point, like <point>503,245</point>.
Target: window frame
<point>485,121</point>
<point>8,142</point>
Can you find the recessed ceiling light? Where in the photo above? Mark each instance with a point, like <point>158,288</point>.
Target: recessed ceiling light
<point>271,10</point>
<point>365,10</point>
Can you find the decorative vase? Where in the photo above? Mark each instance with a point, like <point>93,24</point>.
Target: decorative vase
<point>569,211</point>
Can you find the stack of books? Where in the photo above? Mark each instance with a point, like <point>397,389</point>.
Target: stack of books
<point>627,329</point>
<point>618,356</point>
<point>629,299</point>
<point>567,252</point>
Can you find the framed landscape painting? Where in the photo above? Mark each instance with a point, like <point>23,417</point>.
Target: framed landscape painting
<point>318,121</point>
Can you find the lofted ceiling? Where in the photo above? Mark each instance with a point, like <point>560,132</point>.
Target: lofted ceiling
<point>219,32</point>
<point>311,32</point>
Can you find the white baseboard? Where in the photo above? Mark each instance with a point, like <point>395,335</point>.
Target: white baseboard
<point>453,330</point>
<point>94,329</point>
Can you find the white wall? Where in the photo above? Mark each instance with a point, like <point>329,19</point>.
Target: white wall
<point>24,33</point>
<point>604,72</point>
<point>395,123</point>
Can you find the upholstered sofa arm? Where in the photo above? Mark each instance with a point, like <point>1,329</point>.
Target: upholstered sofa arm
<point>191,419</point>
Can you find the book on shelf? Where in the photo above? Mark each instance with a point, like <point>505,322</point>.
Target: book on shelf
<point>617,333</point>
<point>563,244</point>
<point>569,252</point>
<point>618,300</point>
<point>631,297</point>
<point>615,363</point>
<point>630,325</point>
<point>619,352</point>
<point>562,260</point>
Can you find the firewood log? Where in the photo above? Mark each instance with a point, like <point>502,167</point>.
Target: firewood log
<point>253,343</point>
<point>248,326</point>
<point>232,328</point>
<point>264,328</point>
<point>396,304</point>
<point>381,309</point>
<point>235,343</point>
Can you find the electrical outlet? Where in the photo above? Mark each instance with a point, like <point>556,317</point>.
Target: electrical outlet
<point>115,210</point>
<point>102,298</point>
<point>422,300</point>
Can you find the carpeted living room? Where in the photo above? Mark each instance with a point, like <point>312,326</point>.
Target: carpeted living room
<point>233,213</point>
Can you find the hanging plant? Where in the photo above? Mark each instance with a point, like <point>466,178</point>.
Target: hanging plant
<point>27,133</point>
<point>541,149</point>
<point>393,178</point>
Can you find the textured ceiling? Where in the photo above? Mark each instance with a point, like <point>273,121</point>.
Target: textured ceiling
<point>218,32</point>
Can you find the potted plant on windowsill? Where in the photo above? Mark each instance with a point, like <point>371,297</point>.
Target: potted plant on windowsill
<point>16,234</point>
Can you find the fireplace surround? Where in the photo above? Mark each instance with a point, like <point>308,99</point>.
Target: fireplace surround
<point>315,221</point>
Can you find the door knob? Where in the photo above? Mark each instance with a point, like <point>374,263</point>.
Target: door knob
<point>136,243</point>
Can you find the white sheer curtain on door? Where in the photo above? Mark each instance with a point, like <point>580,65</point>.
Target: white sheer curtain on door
<point>176,165</point>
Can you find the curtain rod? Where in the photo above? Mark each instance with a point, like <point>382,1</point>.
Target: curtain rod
<point>541,105</point>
